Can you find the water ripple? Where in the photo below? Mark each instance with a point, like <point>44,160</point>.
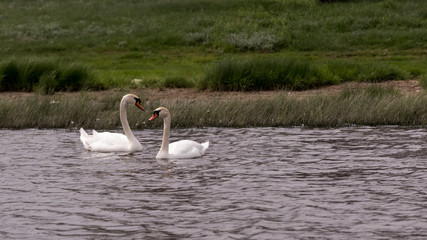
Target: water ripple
<point>261,183</point>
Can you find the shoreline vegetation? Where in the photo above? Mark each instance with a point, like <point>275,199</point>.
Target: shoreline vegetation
<point>73,60</point>
<point>368,105</point>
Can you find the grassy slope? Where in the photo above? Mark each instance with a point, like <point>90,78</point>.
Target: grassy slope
<point>153,40</point>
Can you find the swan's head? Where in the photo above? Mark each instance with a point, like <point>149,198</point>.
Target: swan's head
<point>133,99</point>
<point>160,112</point>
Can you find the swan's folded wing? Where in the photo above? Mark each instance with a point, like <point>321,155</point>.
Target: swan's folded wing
<point>107,142</point>
<point>187,149</point>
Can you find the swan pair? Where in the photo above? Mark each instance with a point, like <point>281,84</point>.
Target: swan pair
<point>116,142</point>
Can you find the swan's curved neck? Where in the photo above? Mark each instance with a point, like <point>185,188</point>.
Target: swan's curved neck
<point>124,121</point>
<point>166,134</point>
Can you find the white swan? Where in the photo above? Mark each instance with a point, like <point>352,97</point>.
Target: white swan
<point>179,149</point>
<point>114,142</point>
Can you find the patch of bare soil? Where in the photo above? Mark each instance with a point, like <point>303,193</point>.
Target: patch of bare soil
<point>409,87</point>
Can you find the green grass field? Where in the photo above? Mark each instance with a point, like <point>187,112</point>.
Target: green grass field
<point>165,43</point>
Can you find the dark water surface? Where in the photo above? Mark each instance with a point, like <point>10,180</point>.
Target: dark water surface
<point>260,183</point>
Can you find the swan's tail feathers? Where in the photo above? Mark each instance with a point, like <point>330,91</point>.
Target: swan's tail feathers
<point>83,133</point>
<point>83,137</point>
<point>205,146</point>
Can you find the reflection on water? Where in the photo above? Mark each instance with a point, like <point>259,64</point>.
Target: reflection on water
<point>262,183</point>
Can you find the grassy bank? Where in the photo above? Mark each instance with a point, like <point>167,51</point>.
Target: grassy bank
<point>154,41</point>
<point>243,73</point>
<point>240,45</point>
<point>45,76</point>
<point>272,73</point>
<point>372,106</point>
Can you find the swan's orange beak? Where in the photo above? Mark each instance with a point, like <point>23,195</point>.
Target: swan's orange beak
<point>138,104</point>
<point>155,115</point>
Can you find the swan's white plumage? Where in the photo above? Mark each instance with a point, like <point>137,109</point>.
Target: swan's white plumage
<point>107,142</point>
<point>179,149</point>
<point>187,149</point>
<point>114,142</point>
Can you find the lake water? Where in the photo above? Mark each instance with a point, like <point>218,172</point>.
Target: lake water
<point>253,183</point>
